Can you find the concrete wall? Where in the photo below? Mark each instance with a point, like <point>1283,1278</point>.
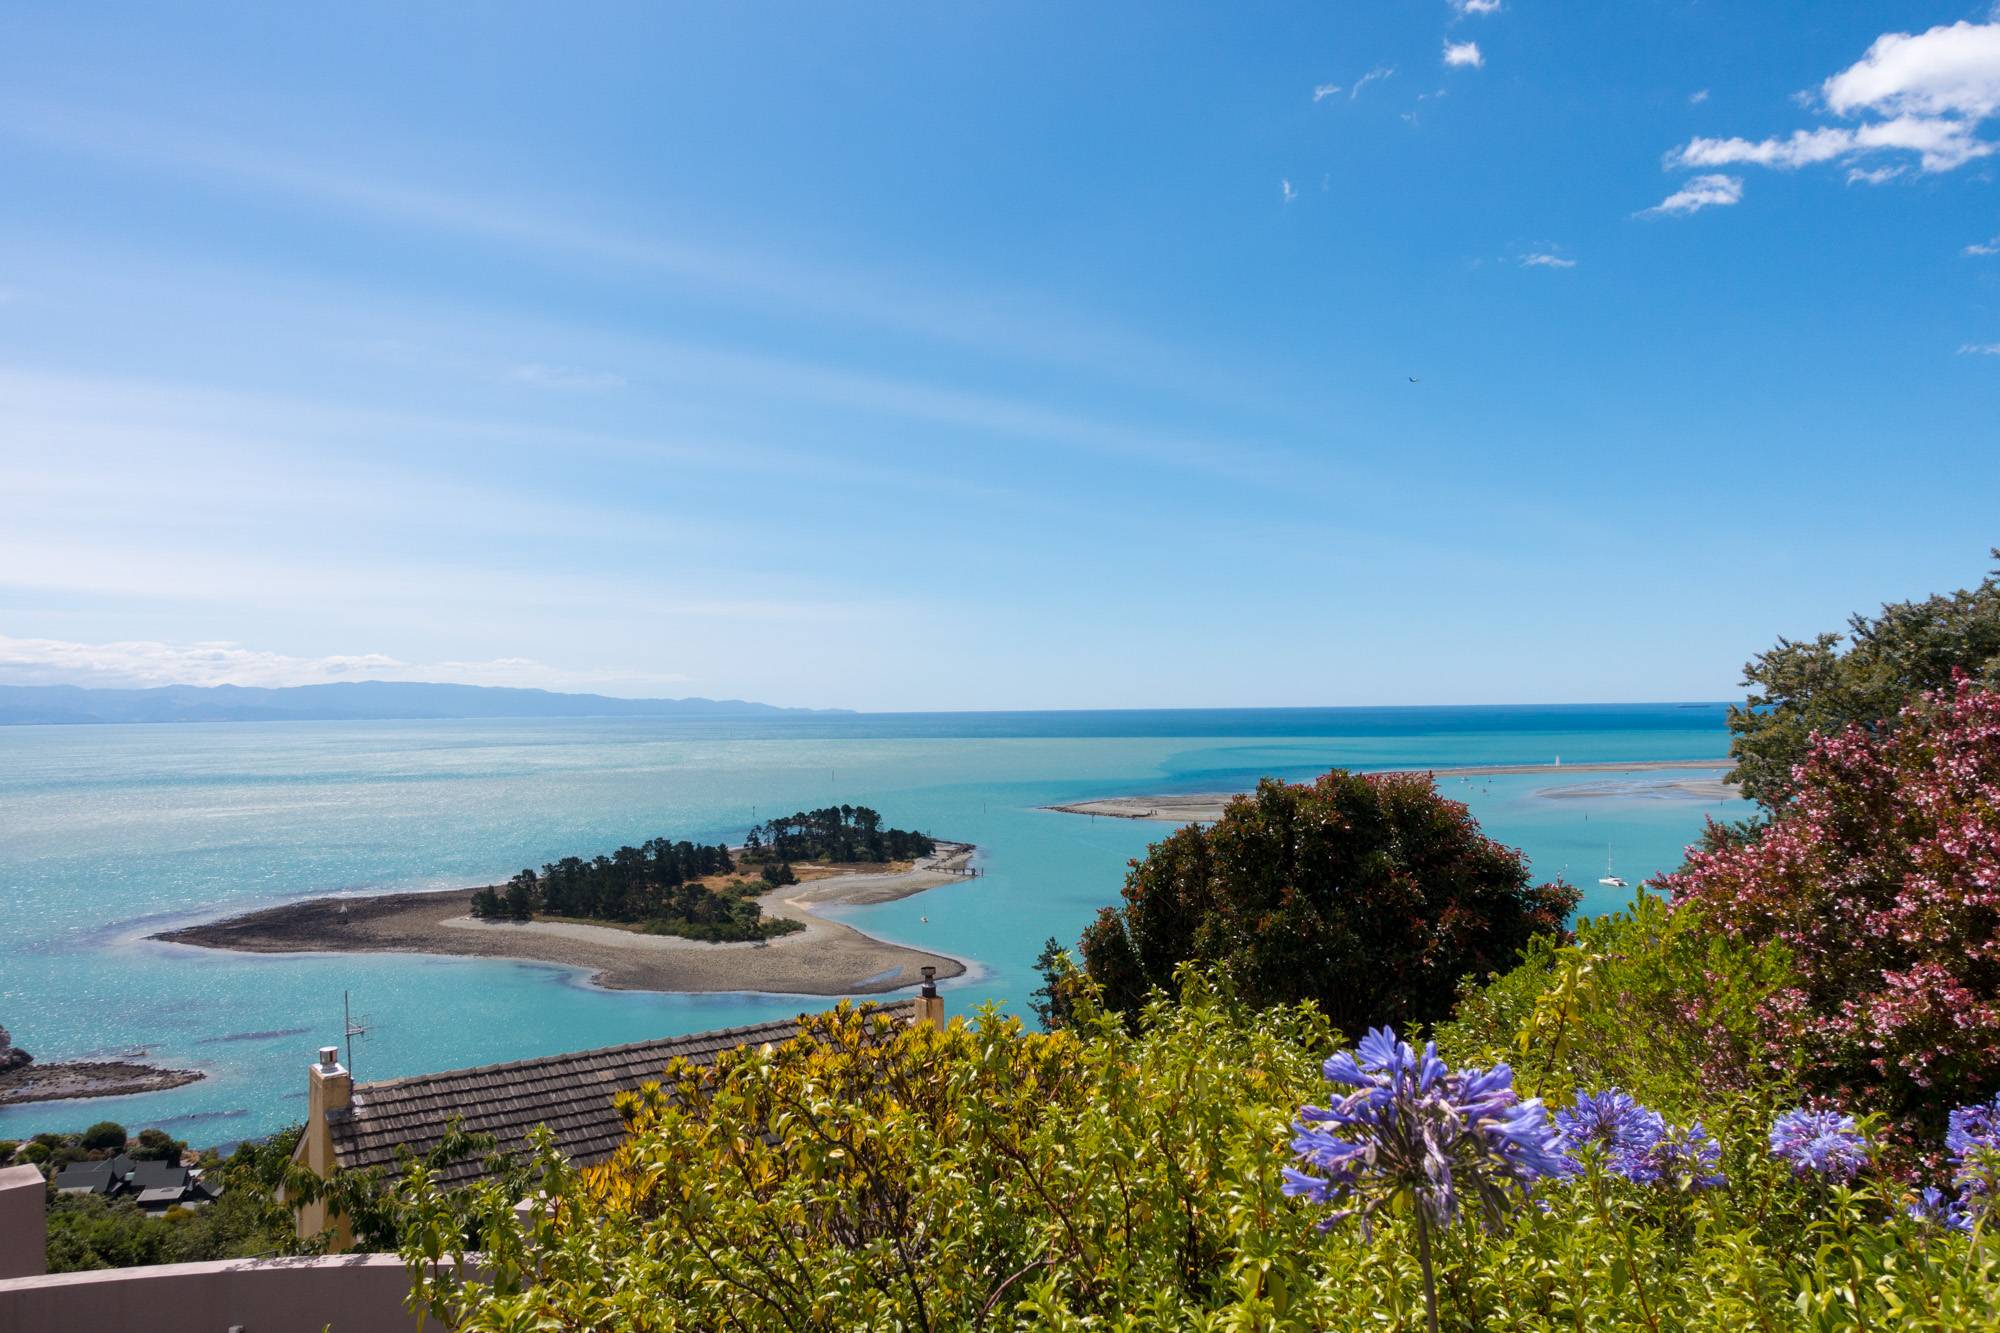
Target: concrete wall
<point>362,1293</point>
<point>24,1223</point>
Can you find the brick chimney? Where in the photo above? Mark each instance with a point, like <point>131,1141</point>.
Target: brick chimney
<point>930,1005</point>
<point>329,1087</point>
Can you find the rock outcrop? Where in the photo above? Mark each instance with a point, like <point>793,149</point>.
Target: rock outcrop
<point>12,1057</point>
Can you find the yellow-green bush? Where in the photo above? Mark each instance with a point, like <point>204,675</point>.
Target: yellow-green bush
<point>870,1177</point>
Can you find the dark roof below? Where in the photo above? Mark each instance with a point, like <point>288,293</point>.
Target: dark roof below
<point>103,1175</point>
<point>571,1094</point>
<point>151,1175</point>
<point>94,1176</point>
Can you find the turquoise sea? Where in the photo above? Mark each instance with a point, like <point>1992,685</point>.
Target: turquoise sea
<point>108,834</point>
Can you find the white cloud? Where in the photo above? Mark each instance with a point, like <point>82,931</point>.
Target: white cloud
<point>1476,6</point>
<point>1980,349</point>
<point>143,663</point>
<point>1872,175</point>
<point>1325,90</point>
<point>1463,54</point>
<point>1542,259</point>
<point>1697,97</point>
<point>1285,188</point>
<point>1379,72</point>
<point>1715,191</point>
<point>1940,145</point>
<point>1991,247</point>
<point>1930,92</point>
<point>540,376</point>
<point>1948,71</point>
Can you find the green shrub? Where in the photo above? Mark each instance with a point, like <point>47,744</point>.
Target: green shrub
<point>1649,999</point>
<point>104,1135</point>
<point>1371,896</point>
<point>157,1145</point>
<point>1112,1178</point>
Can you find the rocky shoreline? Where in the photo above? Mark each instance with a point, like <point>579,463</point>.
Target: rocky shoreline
<point>23,1080</point>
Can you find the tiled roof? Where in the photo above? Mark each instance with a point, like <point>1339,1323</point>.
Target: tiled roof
<point>571,1094</point>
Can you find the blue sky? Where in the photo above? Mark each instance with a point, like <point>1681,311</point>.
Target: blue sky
<point>991,356</point>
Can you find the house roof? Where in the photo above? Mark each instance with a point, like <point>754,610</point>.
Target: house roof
<point>93,1176</point>
<point>571,1094</point>
<point>151,1175</point>
<point>99,1177</point>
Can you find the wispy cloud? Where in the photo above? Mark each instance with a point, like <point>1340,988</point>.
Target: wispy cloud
<point>1940,145</point>
<point>1991,247</point>
<point>1285,189</point>
<point>1697,97</point>
<point>1476,6</point>
<point>145,663</point>
<point>1979,349</point>
<point>1544,259</point>
<point>1020,323</point>
<point>1928,94</point>
<point>1715,191</point>
<point>1375,75</point>
<point>1464,55</point>
<point>566,378</point>
<point>1325,90</point>
<point>1872,175</point>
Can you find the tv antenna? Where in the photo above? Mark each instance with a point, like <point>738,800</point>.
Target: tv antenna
<point>350,1029</point>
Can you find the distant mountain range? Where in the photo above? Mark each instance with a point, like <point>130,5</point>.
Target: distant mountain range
<point>371,700</point>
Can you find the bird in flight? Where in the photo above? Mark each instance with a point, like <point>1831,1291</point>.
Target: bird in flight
<point>1413,379</point>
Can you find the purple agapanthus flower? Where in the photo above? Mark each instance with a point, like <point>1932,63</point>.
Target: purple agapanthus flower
<point>1637,1143</point>
<point>1822,1143</point>
<point>1973,1136</point>
<point>1940,1209</point>
<point>1617,1126</point>
<point>1975,1126</point>
<point>1411,1127</point>
<point>1686,1159</point>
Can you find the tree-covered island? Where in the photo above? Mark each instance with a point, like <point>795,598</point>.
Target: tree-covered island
<point>701,892</point>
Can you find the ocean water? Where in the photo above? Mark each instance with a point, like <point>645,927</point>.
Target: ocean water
<point>108,834</point>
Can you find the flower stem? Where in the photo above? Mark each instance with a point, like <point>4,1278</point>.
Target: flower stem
<point>1424,1259</point>
<point>1631,1258</point>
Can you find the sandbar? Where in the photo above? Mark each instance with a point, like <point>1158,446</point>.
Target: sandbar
<point>826,958</point>
<point>1207,807</point>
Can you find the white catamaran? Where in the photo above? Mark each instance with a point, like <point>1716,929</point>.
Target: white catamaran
<point>1610,879</point>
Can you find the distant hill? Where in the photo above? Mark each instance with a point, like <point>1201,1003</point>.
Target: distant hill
<point>373,700</point>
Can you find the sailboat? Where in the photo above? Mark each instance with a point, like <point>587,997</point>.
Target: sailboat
<point>1610,880</point>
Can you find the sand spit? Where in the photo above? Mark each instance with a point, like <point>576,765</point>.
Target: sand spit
<point>826,958</point>
<point>1206,807</point>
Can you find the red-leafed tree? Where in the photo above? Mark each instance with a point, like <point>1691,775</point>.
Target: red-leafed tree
<point>1881,877</point>
<point>1372,896</point>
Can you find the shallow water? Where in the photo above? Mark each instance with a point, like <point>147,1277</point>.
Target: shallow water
<point>108,834</point>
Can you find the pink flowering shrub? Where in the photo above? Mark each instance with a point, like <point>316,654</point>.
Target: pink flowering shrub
<point>1882,880</point>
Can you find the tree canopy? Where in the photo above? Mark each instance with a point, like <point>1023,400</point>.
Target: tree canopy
<point>1812,687</point>
<point>1371,896</point>
<point>834,833</point>
<point>658,885</point>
